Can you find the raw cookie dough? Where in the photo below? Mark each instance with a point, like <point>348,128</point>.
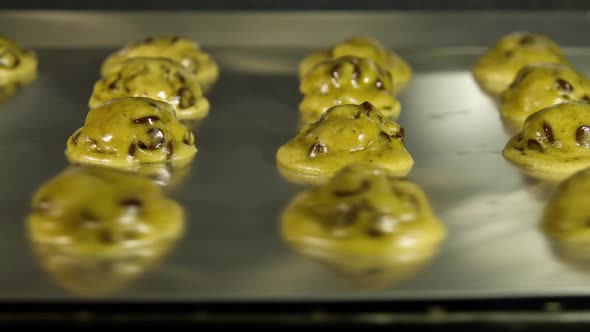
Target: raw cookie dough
<point>130,131</point>
<point>496,69</point>
<point>96,228</point>
<point>366,223</point>
<point>363,47</point>
<point>345,134</point>
<point>182,50</point>
<point>565,220</point>
<point>346,80</point>
<point>156,78</point>
<point>17,65</point>
<point>555,142</point>
<point>539,86</point>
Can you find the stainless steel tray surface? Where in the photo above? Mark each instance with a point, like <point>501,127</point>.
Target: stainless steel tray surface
<point>234,195</point>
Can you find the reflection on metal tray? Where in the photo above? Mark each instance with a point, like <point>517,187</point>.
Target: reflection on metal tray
<point>234,196</point>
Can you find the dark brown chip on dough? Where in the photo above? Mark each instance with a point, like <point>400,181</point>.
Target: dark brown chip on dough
<point>384,137</point>
<point>175,39</point>
<point>158,138</point>
<point>586,98</point>
<point>147,120</point>
<point>132,149</point>
<point>508,54</point>
<point>526,40</point>
<point>533,144</point>
<point>87,217</point>
<point>564,85</point>
<point>583,136</point>
<point>548,132</point>
<point>317,149</point>
<point>186,98</point>
<point>170,148</point>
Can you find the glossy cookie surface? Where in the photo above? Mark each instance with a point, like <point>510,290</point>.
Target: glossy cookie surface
<point>155,78</point>
<point>181,50</point>
<point>363,47</point>
<point>498,67</point>
<point>345,134</point>
<point>346,80</point>
<point>555,142</point>
<point>128,132</point>
<point>539,86</point>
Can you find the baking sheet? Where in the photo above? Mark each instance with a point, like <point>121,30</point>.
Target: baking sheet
<point>234,195</point>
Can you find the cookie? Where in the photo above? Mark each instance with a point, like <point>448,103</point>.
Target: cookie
<point>554,143</point>
<point>344,135</point>
<point>539,86</point>
<point>95,228</point>
<point>364,221</point>
<point>498,67</point>
<point>346,80</point>
<point>18,66</point>
<point>156,78</point>
<point>128,132</point>
<point>184,51</point>
<point>363,47</point>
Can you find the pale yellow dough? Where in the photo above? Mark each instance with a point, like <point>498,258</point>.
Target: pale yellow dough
<point>344,135</point>
<point>184,51</point>
<point>498,67</point>
<point>539,86</point>
<point>346,80</point>
<point>156,78</point>
<point>365,222</point>
<point>555,142</point>
<point>363,47</point>
<point>129,132</point>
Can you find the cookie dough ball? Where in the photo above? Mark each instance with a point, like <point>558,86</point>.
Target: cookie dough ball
<point>88,216</point>
<point>363,47</point>
<point>496,69</point>
<point>17,65</point>
<point>155,78</point>
<point>344,135</point>
<point>346,80</point>
<point>555,142</point>
<point>364,221</point>
<point>184,51</point>
<point>128,132</point>
<point>539,86</point>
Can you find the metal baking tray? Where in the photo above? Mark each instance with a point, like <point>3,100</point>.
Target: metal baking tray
<point>234,195</point>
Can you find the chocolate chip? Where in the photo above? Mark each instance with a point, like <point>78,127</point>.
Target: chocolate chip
<point>317,149</point>
<point>142,145</point>
<point>132,149</point>
<point>148,40</point>
<point>147,120</point>
<point>367,107</point>
<point>586,98</point>
<point>170,148</point>
<point>75,138</point>
<point>508,54</point>
<point>132,202</point>
<point>181,78</point>
<point>374,233</point>
<point>379,84</point>
<point>365,185</point>
<point>583,136</point>
<point>186,97</point>
<point>154,105</point>
<point>335,71</point>
<point>526,40</point>
<point>533,144</point>
<point>564,85</point>
<point>174,39</point>
<point>113,85</point>
<point>384,137</point>
<point>548,132</point>
<point>400,134</point>
<point>356,71</point>
<point>158,138</point>
<point>106,236</point>
<point>348,216</point>
<point>88,217</point>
